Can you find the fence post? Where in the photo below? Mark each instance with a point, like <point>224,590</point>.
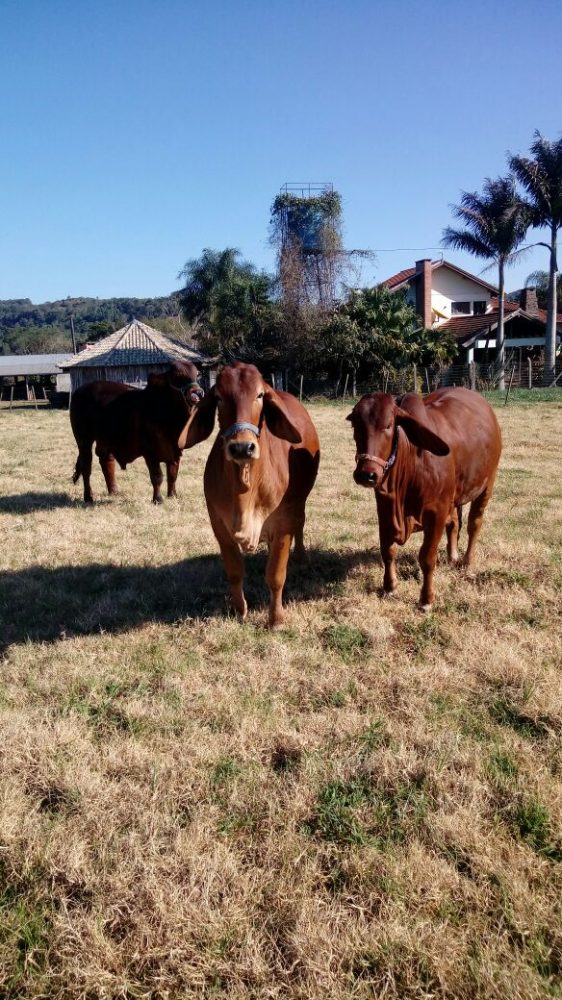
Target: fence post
<point>472,374</point>
<point>354,386</point>
<point>273,380</point>
<point>415,377</point>
<point>300,389</point>
<point>345,386</point>
<point>530,373</point>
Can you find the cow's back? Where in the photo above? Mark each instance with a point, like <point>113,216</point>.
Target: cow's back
<point>88,402</point>
<point>467,422</point>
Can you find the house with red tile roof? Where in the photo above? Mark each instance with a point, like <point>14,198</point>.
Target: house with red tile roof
<point>450,299</point>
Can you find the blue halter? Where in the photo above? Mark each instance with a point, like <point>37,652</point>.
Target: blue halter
<point>242,426</point>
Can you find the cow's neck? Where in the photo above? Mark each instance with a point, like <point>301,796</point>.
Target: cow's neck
<point>247,517</point>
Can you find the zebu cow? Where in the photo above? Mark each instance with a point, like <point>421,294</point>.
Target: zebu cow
<point>126,423</point>
<point>260,470</point>
<point>425,459</point>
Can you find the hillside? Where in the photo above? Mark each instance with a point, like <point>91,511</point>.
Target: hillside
<point>29,328</point>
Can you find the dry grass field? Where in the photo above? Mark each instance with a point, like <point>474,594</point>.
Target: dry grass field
<point>366,804</point>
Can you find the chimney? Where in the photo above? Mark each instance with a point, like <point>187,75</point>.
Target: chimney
<point>423,291</point>
<point>528,301</point>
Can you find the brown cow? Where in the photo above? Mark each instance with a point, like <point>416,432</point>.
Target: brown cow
<point>127,423</point>
<point>425,459</point>
<point>260,470</point>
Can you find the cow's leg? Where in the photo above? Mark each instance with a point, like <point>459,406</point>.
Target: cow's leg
<point>453,528</point>
<point>299,553</point>
<point>475,518</point>
<point>433,526</point>
<point>388,553</point>
<point>84,467</point>
<point>233,562</point>
<point>172,469</point>
<point>156,478</point>
<point>275,575</point>
<point>107,463</point>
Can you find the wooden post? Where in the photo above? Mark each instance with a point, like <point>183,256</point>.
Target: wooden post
<point>300,388</point>
<point>530,373</point>
<point>273,386</point>
<point>33,396</point>
<point>427,382</point>
<point>414,366</point>
<point>354,387</point>
<point>509,386</point>
<point>11,395</point>
<point>345,386</point>
<point>472,374</point>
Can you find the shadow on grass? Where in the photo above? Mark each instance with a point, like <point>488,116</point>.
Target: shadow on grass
<point>29,503</point>
<point>40,604</point>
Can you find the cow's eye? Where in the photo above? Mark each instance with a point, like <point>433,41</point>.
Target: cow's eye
<point>260,395</point>
<point>388,426</point>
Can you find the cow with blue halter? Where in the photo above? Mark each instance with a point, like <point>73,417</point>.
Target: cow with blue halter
<point>259,473</point>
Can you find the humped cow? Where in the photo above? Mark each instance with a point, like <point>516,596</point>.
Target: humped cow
<point>127,423</point>
<point>425,459</point>
<point>258,475</point>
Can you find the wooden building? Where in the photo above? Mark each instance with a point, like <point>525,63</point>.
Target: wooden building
<point>32,376</point>
<point>131,355</point>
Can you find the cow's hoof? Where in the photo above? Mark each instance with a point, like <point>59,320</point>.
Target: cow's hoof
<point>425,608</point>
<point>276,625</point>
<point>157,500</point>
<point>388,595</point>
<point>89,501</point>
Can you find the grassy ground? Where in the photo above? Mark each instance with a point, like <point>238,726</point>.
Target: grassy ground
<point>367,804</point>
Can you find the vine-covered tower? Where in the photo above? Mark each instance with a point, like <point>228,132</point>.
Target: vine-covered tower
<point>306,230</point>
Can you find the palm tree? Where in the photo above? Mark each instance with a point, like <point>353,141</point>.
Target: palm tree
<point>541,177</point>
<point>496,225</point>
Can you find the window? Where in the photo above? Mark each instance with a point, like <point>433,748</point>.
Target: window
<point>479,308</point>
<point>460,308</point>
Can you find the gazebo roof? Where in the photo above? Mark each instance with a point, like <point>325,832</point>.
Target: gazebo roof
<point>135,344</point>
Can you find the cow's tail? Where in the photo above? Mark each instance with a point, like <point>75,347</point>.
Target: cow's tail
<point>77,471</point>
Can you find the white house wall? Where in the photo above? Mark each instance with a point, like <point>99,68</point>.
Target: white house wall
<point>449,287</point>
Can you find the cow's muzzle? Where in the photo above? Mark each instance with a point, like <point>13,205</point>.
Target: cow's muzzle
<point>363,477</point>
<point>242,451</point>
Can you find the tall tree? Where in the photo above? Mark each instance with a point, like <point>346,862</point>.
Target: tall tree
<point>541,177</point>
<point>229,303</point>
<point>496,224</point>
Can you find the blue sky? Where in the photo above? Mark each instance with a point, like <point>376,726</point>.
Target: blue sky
<point>137,132</point>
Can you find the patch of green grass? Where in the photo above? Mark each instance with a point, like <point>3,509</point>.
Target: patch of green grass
<point>224,771</point>
<point>531,820</point>
<point>502,767</point>
<point>106,711</point>
<point>24,931</point>
<point>419,636</point>
<point>373,737</point>
<point>347,640</point>
<point>507,713</point>
<point>335,818</point>
<point>505,579</point>
<point>355,812</point>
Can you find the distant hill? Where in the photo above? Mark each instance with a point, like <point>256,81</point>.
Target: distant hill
<point>27,328</point>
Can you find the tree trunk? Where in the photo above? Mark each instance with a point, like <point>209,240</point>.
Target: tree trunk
<point>500,337</point>
<point>550,338</point>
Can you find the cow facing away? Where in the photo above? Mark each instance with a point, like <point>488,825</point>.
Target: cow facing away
<point>425,459</point>
<point>260,470</point>
<point>127,423</point>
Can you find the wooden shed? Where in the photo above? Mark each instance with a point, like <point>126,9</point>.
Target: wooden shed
<point>131,355</point>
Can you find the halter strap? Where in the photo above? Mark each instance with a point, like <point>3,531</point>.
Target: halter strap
<point>242,426</point>
<point>385,465</point>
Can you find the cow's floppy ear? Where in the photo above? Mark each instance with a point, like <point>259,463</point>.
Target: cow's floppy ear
<point>420,435</point>
<point>278,419</point>
<point>350,416</point>
<point>201,422</point>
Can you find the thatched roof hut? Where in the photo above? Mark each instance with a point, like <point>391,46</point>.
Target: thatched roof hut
<point>131,355</point>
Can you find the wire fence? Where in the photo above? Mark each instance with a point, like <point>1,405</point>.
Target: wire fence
<point>519,373</point>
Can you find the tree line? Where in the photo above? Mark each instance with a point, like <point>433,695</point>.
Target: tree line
<point>28,328</point>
